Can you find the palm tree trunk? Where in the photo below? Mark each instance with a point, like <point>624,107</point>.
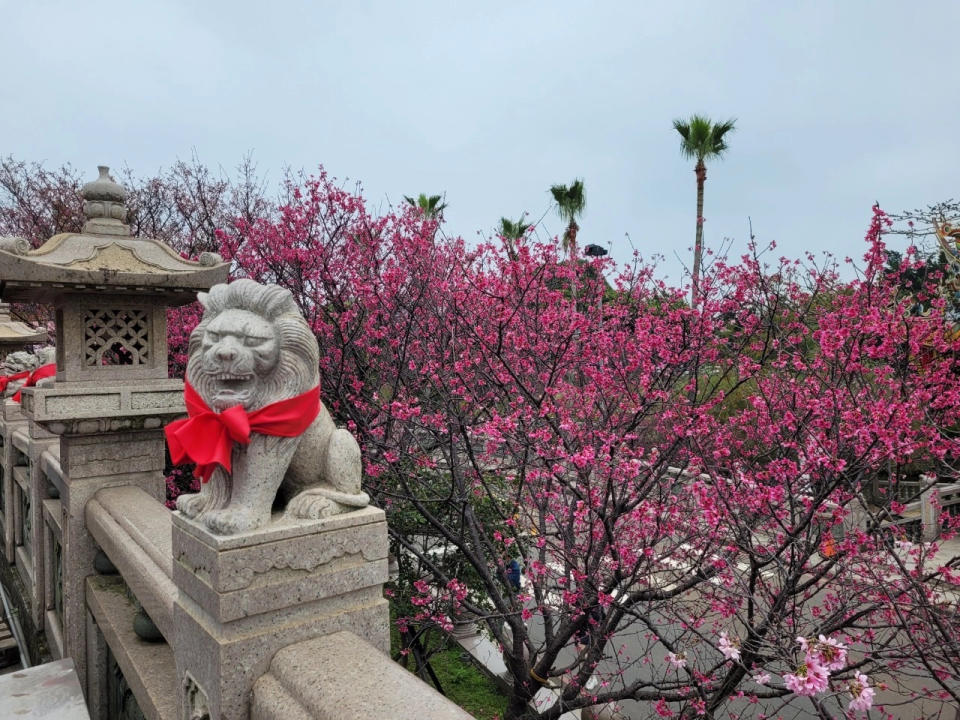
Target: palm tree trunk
<point>570,239</point>
<point>572,230</point>
<point>701,171</point>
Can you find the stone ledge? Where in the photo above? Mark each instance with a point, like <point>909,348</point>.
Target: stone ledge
<point>50,467</point>
<point>144,518</point>
<point>54,633</point>
<point>54,511</point>
<point>148,668</point>
<point>279,528</point>
<point>20,439</point>
<point>342,676</point>
<point>43,692</point>
<point>271,700</point>
<point>152,398</point>
<point>21,475</point>
<point>25,565</point>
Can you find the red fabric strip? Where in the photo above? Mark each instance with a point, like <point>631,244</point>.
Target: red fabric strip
<point>44,371</point>
<point>7,379</point>
<point>206,437</point>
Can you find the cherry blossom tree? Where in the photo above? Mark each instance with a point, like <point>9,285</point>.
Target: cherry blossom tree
<point>686,488</point>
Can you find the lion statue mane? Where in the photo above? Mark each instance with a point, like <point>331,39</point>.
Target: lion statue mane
<point>253,348</point>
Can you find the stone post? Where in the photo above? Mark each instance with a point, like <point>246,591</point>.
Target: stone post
<point>244,597</point>
<point>252,579</point>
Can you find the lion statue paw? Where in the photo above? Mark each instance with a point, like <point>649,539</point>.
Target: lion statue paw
<point>231,521</point>
<point>191,505</point>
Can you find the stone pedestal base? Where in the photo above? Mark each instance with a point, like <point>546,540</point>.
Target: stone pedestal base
<point>244,597</point>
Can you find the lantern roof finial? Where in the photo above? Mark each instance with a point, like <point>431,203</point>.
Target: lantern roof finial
<point>104,205</point>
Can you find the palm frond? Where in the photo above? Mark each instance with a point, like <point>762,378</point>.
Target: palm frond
<point>701,139</point>
<point>513,230</point>
<point>429,205</point>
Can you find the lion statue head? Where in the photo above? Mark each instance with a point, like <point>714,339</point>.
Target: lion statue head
<point>252,347</point>
<point>20,361</point>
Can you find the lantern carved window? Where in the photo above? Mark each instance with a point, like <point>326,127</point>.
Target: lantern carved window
<point>116,337</point>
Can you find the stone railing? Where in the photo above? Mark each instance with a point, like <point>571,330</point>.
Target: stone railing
<point>31,520</point>
<point>346,678</point>
<point>166,620</point>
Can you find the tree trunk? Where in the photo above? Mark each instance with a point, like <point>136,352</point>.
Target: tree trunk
<point>701,171</point>
<point>570,240</point>
<point>519,708</point>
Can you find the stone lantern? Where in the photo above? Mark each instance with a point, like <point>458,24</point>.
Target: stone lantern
<point>111,395</point>
<point>110,292</point>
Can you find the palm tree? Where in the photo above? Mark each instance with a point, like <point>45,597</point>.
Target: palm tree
<point>511,232</point>
<point>571,202</point>
<point>702,140</point>
<point>430,205</point>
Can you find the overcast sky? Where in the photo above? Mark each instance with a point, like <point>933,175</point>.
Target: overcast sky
<point>838,105</point>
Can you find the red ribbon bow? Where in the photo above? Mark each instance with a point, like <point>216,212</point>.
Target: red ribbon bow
<point>44,371</point>
<point>206,437</point>
<point>7,379</point>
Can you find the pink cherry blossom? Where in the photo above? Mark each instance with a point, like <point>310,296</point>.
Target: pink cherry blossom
<point>808,680</point>
<point>829,653</point>
<point>729,648</point>
<point>862,693</point>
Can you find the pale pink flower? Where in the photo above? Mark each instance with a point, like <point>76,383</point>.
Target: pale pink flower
<point>829,653</point>
<point>761,678</point>
<point>729,648</point>
<point>677,662</point>
<point>862,693</point>
<point>808,680</point>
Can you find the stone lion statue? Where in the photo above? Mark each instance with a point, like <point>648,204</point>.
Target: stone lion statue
<point>22,361</point>
<point>19,361</point>
<point>251,349</point>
